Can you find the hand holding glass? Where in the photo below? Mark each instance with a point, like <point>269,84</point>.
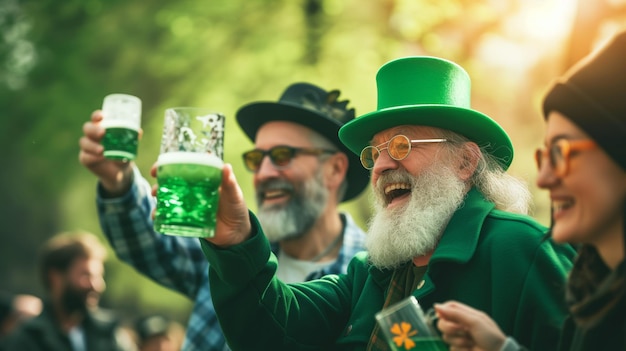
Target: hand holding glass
<point>189,172</point>
<point>122,121</point>
<point>406,327</point>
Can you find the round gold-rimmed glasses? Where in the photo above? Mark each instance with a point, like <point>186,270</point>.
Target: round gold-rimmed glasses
<point>397,147</point>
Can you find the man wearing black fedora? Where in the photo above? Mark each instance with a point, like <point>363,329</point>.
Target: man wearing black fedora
<point>449,224</point>
<point>307,173</point>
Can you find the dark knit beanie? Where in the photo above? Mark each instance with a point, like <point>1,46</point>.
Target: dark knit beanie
<point>592,94</point>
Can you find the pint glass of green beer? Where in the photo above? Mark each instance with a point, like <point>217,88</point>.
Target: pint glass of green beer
<point>406,327</point>
<point>189,172</point>
<point>122,120</point>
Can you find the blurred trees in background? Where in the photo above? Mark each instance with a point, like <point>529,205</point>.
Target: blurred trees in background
<point>58,59</point>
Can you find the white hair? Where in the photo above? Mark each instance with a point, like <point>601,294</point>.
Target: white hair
<point>507,192</point>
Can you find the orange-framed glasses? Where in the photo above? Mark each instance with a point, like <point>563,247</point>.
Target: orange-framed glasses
<point>559,154</point>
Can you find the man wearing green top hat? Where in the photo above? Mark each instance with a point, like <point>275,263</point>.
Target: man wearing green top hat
<point>449,224</point>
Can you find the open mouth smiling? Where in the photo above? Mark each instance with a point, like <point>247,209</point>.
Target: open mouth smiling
<point>396,190</point>
<point>561,206</point>
<point>274,194</point>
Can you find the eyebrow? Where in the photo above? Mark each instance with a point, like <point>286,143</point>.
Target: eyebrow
<point>403,130</point>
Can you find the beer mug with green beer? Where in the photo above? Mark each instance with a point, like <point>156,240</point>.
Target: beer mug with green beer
<point>122,121</point>
<point>189,172</point>
<point>406,327</point>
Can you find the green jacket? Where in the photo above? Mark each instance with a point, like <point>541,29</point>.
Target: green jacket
<point>498,262</point>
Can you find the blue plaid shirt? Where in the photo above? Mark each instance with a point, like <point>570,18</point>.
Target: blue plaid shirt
<point>179,264</point>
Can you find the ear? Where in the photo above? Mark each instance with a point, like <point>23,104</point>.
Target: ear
<point>336,170</point>
<point>468,161</point>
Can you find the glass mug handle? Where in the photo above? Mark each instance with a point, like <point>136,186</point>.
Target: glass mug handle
<point>431,320</point>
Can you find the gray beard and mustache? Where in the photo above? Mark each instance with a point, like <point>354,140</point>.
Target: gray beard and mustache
<point>295,217</point>
<point>397,235</point>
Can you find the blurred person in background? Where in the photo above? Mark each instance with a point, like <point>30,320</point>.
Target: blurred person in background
<point>583,166</point>
<point>158,333</point>
<point>15,309</point>
<point>72,272</point>
<point>302,172</point>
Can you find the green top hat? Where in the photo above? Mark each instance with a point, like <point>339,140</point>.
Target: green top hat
<point>427,91</point>
<point>313,107</point>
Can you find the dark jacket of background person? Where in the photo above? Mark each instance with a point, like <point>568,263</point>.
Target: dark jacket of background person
<point>72,272</point>
<point>609,333</point>
<point>43,334</point>
<point>15,309</point>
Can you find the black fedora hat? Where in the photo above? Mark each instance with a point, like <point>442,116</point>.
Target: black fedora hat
<point>314,108</point>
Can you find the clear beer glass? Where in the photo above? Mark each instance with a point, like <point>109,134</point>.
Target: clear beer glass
<point>406,327</point>
<point>122,121</point>
<point>189,172</point>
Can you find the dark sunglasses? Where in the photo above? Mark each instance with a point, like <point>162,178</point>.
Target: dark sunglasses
<point>559,153</point>
<point>280,156</point>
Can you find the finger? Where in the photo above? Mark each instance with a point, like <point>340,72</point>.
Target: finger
<point>448,327</point>
<point>453,332</point>
<point>93,131</point>
<point>155,187</point>
<point>89,146</point>
<point>232,209</point>
<point>89,159</point>
<point>96,116</point>
<point>456,312</point>
<point>230,188</point>
<point>153,170</point>
<point>458,339</point>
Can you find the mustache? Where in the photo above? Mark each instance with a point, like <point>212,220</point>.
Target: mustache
<point>392,176</point>
<point>274,184</point>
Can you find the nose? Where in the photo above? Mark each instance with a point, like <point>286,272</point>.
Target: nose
<point>545,176</point>
<point>100,285</point>
<point>93,282</point>
<point>383,163</point>
<point>266,169</point>
<point>97,283</point>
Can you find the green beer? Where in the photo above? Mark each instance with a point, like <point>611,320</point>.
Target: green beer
<point>120,140</point>
<point>187,193</point>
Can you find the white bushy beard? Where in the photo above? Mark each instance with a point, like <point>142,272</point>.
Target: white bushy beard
<point>295,217</point>
<point>397,235</point>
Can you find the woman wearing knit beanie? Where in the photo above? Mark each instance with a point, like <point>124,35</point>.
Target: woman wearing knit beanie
<point>583,166</point>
